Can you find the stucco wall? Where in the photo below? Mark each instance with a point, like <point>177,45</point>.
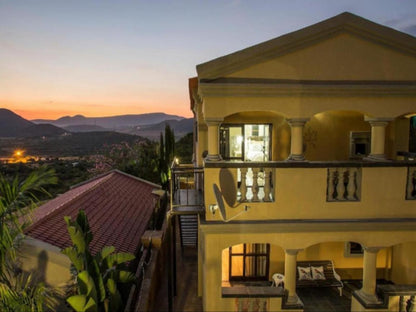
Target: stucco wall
<point>343,56</point>
<point>46,260</point>
<point>404,263</point>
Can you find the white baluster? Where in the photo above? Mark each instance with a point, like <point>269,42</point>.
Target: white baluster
<point>352,184</point>
<point>243,185</point>
<point>255,186</point>
<point>267,186</point>
<point>340,185</point>
<point>411,306</point>
<point>330,185</point>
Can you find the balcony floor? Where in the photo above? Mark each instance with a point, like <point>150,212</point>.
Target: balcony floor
<point>323,300</point>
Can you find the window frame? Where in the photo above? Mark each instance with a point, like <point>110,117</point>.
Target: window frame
<point>257,256</point>
<point>223,141</point>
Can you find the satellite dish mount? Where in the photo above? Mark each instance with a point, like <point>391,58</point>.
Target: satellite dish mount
<point>221,207</point>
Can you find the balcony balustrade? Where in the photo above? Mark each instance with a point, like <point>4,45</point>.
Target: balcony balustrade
<point>278,189</point>
<point>254,185</point>
<point>344,184</point>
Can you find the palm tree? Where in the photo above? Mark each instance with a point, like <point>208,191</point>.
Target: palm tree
<point>18,290</point>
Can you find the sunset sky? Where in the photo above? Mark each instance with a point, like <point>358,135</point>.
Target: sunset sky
<point>102,58</point>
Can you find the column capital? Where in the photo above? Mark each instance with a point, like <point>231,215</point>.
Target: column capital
<point>373,249</point>
<point>297,122</point>
<point>378,121</point>
<point>213,121</point>
<point>292,252</point>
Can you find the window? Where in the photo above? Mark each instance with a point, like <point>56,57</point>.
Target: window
<point>359,144</point>
<point>249,262</point>
<point>353,249</point>
<point>249,142</point>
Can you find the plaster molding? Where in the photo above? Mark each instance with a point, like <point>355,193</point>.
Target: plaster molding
<point>297,122</point>
<point>378,121</point>
<point>305,89</point>
<point>213,121</point>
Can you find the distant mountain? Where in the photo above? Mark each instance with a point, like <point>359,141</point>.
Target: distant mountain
<point>112,122</point>
<point>84,128</point>
<point>180,128</point>
<point>12,124</point>
<point>42,130</point>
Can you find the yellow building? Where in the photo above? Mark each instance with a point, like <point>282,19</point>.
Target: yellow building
<point>302,138</point>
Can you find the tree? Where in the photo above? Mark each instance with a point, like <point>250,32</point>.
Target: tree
<point>166,155</point>
<point>19,291</point>
<point>97,276</point>
<point>184,148</point>
<point>138,159</point>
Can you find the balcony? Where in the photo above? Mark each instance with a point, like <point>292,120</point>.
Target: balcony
<point>314,190</point>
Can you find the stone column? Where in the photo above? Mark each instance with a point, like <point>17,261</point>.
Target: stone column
<point>296,138</point>
<point>368,291</point>
<point>213,139</point>
<point>378,137</point>
<point>290,276</point>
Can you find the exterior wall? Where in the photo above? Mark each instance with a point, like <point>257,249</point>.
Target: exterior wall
<point>404,263</point>
<point>362,59</point>
<point>47,260</point>
<point>300,193</point>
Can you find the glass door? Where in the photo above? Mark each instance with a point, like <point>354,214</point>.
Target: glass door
<point>257,142</point>
<point>231,142</point>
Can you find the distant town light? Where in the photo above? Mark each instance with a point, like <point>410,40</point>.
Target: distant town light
<point>18,153</point>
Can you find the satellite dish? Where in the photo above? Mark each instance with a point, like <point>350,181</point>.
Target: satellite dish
<point>220,205</point>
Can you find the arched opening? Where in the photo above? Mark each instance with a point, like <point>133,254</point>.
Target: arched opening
<point>337,135</point>
<point>403,134</point>
<point>254,136</point>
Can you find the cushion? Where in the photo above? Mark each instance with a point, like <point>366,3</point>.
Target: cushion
<point>304,273</point>
<point>318,273</point>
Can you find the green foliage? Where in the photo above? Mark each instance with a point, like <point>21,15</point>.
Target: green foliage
<point>97,276</point>
<point>18,290</point>
<point>166,155</point>
<point>184,148</point>
<point>138,159</point>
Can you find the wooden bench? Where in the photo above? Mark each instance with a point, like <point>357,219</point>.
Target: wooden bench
<point>332,279</point>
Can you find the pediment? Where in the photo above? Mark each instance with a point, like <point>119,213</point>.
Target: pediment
<point>345,47</point>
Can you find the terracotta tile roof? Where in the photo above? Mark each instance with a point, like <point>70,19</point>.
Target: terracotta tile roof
<point>118,207</point>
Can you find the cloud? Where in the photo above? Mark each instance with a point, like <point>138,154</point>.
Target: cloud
<point>410,29</point>
<point>405,23</point>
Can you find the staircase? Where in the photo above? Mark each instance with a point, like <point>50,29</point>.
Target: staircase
<point>188,225</point>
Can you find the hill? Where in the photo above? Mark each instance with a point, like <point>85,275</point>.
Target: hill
<point>11,124</point>
<point>41,131</point>
<point>74,144</point>
<point>84,128</point>
<point>111,123</point>
<point>180,128</point>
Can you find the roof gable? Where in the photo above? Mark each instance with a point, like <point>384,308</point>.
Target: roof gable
<point>345,23</point>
